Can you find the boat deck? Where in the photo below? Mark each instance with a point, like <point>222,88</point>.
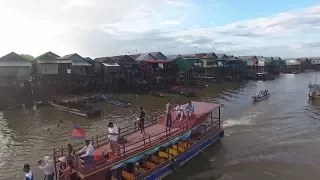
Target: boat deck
<point>135,140</point>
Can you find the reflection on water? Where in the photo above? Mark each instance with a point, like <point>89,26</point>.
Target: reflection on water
<point>263,140</point>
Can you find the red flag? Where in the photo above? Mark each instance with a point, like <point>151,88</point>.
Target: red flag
<point>78,132</point>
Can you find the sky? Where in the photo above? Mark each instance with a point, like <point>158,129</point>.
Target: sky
<point>99,28</point>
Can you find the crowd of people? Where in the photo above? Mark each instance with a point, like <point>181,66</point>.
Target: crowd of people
<point>261,94</point>
<point>182,112</point>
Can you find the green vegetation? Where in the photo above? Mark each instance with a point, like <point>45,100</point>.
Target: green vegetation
<point>27,56</point>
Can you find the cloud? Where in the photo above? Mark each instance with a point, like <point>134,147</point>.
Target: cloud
<point>306,45</point>
<point>169,22</point>
<point>177,3</point>
<point>108,27</point>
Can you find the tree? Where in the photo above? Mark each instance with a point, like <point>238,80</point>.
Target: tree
<point>27,56</point>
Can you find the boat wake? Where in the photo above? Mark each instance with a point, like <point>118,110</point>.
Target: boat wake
<point>245,121</point>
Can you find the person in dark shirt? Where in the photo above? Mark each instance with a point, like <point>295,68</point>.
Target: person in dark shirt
<point>142,116</point>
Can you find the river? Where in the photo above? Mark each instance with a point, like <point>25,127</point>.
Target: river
<point>276,138</point>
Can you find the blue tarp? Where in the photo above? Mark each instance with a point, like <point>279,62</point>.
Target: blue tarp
<point>135,159</point>
<point>117,166</point>
<point>152,151</point>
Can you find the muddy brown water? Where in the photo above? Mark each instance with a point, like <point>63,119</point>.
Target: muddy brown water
<point>277,138</point>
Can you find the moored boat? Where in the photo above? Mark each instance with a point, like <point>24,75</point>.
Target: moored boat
<point>158,153</point>
<point>79,109</point>
<point>116,102</point>
<point>180,90</point>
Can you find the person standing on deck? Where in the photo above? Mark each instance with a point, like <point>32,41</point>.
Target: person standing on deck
<point>28,172</point>
<point>189,109</point>
<point>168,113</point>
<point>179,110</point>
<point>142,116</point>
<point>113,135</point>
<point>47,166</point>
<point>87,151</point>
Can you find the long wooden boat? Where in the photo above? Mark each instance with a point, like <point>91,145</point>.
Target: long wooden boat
<point>159,152</point>
<point>261,98</point>
<point>116,102</point>
<point>180,90</point>
<point>88,113</point>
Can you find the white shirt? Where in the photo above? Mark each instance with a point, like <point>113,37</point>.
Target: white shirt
<point>29,176</point>
<point>115,131</point>
<point>88,149</point>
<point>179,108</point>
<point>47,168</point>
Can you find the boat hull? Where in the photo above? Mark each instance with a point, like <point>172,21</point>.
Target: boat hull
<point>116,102</point>
<point>259,99</point>
<point>88,114</point>
<point>166,169</point>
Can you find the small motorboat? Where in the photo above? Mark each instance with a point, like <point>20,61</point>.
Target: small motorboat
<point>116,102</point>
<point>262,95</point>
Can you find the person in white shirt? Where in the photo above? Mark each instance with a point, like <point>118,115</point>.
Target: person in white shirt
<point>113,135</point>
<point>87,152</point>
<point>47,166</point>
<point>179,110</point>
<point>28,172</point>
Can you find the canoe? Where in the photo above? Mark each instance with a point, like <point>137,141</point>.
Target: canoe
<point>116,102</point>
<point>261,98</point>
<point>84,113</point>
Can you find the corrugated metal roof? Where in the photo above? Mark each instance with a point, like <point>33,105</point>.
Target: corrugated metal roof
<point>221,56</point>
<point>173,57</point>
<point>134,56</point>
<point>68,56</point>
<point>211,55</point>
<point>142,56</point>
<point>117,58</point>
<point>104,60</point>
<point>13,57</point>
<point>15,64</point>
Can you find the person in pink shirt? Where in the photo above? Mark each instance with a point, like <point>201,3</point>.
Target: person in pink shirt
<point>66,173</point>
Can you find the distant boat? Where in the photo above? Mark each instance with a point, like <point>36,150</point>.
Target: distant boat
<point>261,98</point>
<point>116,102</point>
<point>87,111</point>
